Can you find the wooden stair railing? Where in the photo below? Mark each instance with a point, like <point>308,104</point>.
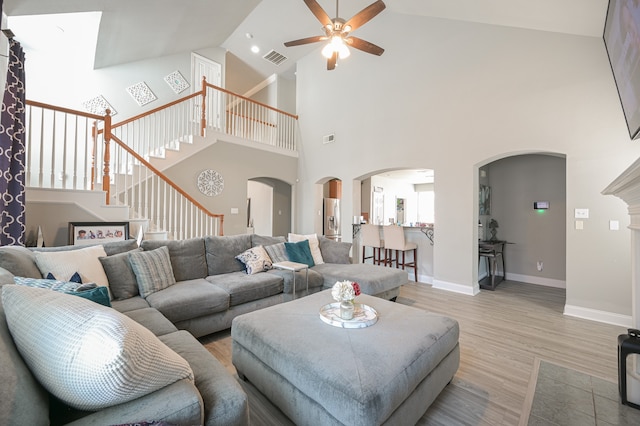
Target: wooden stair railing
<point>169,212</point>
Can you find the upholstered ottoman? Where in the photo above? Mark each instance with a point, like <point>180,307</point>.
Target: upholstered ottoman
<point>318,374</point>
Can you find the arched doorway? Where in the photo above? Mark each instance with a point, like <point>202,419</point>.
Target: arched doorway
<point>508,188</point>
<point>269,206</point>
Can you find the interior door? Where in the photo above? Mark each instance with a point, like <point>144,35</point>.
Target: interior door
<point>204,67</point>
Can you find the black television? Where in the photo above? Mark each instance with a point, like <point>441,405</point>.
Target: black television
<point>622,41</point>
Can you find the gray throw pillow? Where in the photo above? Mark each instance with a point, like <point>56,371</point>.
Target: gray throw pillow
<point>122,279</point>
<point>263,240</point>
<point>335,251</point>
<point>277,252</point>
<point>153,270</point>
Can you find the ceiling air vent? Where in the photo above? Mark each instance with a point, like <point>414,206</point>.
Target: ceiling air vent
<point>275,57</point>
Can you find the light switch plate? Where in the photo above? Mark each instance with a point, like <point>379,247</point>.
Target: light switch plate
<point>234,210</point>
<point>582,214</point>
<point>614,225</point>
<point>579,225</point>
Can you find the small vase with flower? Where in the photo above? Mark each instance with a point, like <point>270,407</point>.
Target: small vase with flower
<point>345,293</point>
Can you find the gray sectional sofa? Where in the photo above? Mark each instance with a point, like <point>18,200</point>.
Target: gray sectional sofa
<point>211,288</point>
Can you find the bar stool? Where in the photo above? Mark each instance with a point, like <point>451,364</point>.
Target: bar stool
<point>627,344</point>
<point>394,241</point>
<point>371,238</point>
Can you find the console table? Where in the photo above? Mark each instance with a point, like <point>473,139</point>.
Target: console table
<point>492,251</point>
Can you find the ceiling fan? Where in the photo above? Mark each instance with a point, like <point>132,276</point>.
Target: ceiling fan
<point>337,31</point>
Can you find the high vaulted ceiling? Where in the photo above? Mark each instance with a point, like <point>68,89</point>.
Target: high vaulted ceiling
<point>132,30</point>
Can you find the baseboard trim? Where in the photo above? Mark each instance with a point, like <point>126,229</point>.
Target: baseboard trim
<point>547,282</point>
<point>597,315</point>
<point>457,288</point>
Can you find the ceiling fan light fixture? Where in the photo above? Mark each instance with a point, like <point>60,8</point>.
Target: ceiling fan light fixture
<point>336,44</point>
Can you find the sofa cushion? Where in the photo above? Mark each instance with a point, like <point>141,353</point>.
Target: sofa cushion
<point>131,304</point>
<point>299,252</point>
<point>77,348</point>
<point>335,251</point>
<point>6,277</point>
<point>188,258</point>
<point>277,252</point>
<point>243,288</point>
<point>23,401</point>
<point>189,299</point>
<point>152,269</point>
<point>19,261</point>
<point>373,279</point>
<point>122,279</point>
<point>314,245</point>
<point>255,260</point>
<point>152,319</point>
<point>222,251</point>
<point>63,264</point>
<point>263,240</point>
<point>225,402</point>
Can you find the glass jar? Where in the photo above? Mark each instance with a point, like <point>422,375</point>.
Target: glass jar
<point>346,309</point>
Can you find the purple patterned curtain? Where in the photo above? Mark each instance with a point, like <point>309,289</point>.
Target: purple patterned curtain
<point>12,147</point>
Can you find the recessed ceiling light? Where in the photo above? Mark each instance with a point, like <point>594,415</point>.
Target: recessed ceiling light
<point>255,49</point>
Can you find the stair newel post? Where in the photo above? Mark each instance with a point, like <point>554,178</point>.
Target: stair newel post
<point>203,117</point>
<point>106,179</point>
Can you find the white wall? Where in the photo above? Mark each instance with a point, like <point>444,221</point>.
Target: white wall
<point>453,96</point>
<point>58,85</point>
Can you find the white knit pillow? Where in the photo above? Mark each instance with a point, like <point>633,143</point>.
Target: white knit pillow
<point>63,264</point>
<point>314,245</point>
<point>87,355</point>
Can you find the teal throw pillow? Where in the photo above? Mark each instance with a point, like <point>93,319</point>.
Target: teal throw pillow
<point>99,295</point>
<point>299,252</point>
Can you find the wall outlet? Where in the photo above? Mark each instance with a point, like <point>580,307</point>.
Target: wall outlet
<point>540,265</point>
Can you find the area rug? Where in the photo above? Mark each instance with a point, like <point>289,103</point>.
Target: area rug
<point>559,395</point>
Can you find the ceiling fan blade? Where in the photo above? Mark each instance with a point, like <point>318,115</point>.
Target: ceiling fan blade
<point>331,62</point>
<point>365,15</point>
<point>319,12</point>
<point>364,45</point>
<point>307,40</point>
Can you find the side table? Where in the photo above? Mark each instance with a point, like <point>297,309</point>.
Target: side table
<point>294,267</point>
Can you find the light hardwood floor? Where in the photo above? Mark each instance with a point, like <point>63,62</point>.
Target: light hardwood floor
<point>502,334</point>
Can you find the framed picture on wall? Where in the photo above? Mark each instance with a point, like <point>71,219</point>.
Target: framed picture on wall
<point>485,200</point>
<point>85,233</point>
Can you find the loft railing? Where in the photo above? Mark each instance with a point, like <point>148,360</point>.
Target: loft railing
<point>212,108</point>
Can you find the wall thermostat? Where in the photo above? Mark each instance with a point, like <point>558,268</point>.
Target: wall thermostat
<point>540,205</point>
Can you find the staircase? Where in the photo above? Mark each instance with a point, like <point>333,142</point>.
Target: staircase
<point>123,163</point>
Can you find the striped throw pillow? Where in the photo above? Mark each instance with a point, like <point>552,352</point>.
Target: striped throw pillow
<point>152,269</point>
